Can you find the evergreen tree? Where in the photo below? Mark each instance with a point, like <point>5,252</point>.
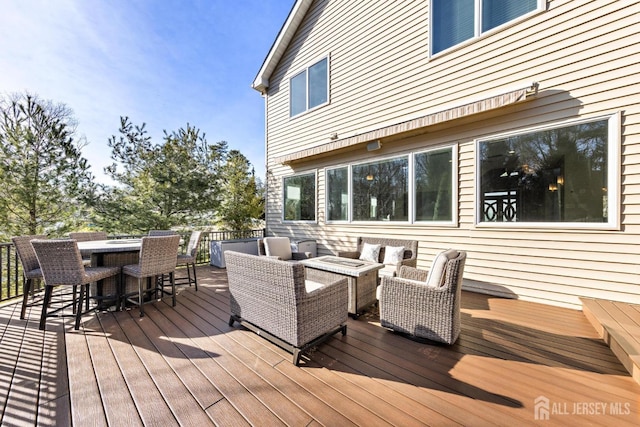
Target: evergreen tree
<point>242,194</point>
<point>160,185</point>
<point>42,171</point>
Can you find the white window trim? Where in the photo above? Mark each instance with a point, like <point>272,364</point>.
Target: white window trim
<point>306,71</point>
<point>283,201</point>
<point>455,179</point>
<point>613,179</point>
<point>478,34</point>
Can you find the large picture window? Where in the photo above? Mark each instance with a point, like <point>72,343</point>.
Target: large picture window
<point>309,88</point>
<point>300,197</point>
<point>555,175</point>
<point>338,194</point>
<point>380,190</point>
<point>418,187</point>
<point>454,21</point>
<point>433,185</point>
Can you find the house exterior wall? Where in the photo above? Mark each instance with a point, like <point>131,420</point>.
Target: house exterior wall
<point>585,57</point>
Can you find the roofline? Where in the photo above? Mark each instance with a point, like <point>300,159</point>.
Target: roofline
<point>296,15</point>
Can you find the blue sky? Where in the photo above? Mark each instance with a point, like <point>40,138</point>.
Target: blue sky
<point>162,62</point>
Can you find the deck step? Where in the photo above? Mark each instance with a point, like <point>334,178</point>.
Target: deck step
<point>618,324</point>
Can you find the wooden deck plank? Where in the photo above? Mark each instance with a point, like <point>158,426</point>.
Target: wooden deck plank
<point>21,349</point>
<point>368,394</point>
<point>626,321</point>
<point>257,355</point>
<point>225,414</point>
<point>140,332</point>
<point>543,348</point>
<point>353,411</point>
<point>242,363</point>
<point>323,411</point>
<point>111,384</point>
<point>149,403</point>
<point>169,337</point>
<point>619,326</point>
<point>86,401</point>
<point>54,405</point>
<point>185,365</point>
<point>453,400</point>
<point>200,326</point>
<point>281,356</point>
<point>208,355</point>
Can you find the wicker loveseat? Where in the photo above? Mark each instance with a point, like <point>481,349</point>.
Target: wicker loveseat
<point>409,257</point>
<point>281,301</point>
<point>425,304</point>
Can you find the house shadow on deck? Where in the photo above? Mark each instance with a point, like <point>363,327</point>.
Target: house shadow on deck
<point>496,332</point>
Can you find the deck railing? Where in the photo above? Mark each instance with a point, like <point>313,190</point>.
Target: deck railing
<point>11,269</point>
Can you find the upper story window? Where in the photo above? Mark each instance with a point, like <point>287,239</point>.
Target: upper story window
<point>309,88</point>
<point>454,21</point>
<point>300,197</point>
<point>557,175</point>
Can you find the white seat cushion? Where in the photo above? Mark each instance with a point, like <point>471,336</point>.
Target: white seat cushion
<point>436,273</point>
<point>310,285</point>
<point>387,270</point>
<point>278,246</point>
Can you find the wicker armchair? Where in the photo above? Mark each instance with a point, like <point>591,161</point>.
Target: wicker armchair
<point>425,304</point>
<point>280,248</point>
<point>62,265</point>
<point>409,258</point>
<point>158,256</point>
<point>291,307</point>
<point>30,268</point>
<point>189,259</point>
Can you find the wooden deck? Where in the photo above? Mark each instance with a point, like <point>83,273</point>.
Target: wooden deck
<point>514,363</point>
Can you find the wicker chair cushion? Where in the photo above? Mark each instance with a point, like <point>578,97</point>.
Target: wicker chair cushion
<point>435,279</point>
<point>310,286</point>
<point>279,247</point>
<point>393,255</point>
<point>370,252</point>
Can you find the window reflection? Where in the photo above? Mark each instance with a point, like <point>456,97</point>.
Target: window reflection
<point>380,190</point>
<point>554,175</point>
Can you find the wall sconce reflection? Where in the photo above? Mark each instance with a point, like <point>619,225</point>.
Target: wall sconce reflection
<point>370,177</point>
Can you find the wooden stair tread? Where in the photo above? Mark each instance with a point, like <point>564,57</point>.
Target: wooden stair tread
<point>618,324</point>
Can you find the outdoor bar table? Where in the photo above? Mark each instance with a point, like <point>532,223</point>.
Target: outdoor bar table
<point>116,252</point>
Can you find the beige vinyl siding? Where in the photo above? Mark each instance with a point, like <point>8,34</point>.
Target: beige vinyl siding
<point>584,55</point>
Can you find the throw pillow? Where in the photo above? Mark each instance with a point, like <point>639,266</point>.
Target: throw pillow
<point>370,252</point>
<point>393,254</point>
